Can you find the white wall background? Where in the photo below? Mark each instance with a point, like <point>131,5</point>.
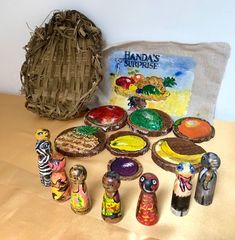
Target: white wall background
<point>188,21</point>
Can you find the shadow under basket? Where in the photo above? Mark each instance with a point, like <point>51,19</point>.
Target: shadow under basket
<point>63,66</point>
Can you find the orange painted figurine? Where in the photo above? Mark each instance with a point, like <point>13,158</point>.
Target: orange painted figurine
<point>80,201</point>
<point>43,149</point>
<point>147,212</point>
<point>182,189</point>
<point>111,205</point>
<point>60,186</point>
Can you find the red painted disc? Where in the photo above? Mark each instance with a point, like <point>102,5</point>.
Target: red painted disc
<point>107,117</point>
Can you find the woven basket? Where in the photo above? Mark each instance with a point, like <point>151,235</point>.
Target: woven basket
<point>63,66</point>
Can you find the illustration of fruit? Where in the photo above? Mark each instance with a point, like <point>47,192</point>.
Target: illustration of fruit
<point>132,87</point>
<point>139,90</point>
<point>153,80</point>
<point>169,82</point>
<point>150,90</point>
<point>124,82</point>
<point>165,152</point>
<point>137,77</point>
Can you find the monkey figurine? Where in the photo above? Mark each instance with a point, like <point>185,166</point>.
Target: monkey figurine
<point>111,205</point>
<point>207,179</point>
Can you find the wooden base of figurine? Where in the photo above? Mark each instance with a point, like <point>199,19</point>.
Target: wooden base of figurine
<point>180,205</point>
<point>81,212</point>
<point>179,213</point>
<point>203,200</point>
<point>63,198</point>
<point>45,180</point>
<point>146,222</point>
<point>111,220</point>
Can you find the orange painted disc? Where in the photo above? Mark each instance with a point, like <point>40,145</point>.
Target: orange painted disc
<point>194,129</point>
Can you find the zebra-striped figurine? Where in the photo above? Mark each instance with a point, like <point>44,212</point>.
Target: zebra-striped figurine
<point>43,149</point>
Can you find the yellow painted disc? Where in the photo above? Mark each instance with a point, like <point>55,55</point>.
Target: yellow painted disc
<point>130,143</point>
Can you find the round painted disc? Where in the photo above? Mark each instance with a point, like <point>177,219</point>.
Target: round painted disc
<point>150,122</point>
<point>169,152</point>
<point>107,117</point>
<point>126,143</point>
<point>81,141</point>
<point>194,129</point>
<point>127,168</point>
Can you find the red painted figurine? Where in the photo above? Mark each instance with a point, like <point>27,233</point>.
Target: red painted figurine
<point>147,212</point>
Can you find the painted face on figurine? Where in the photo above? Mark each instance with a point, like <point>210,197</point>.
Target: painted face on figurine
<point>42,134</point>
<point>185,169</point>
<point>57,162</point>
<point>78,173</point>
<point>148,182</point>
<point>210,160</point>
<point>111,181</point>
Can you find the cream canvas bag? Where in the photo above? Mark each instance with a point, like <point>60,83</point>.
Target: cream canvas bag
<point>180,79</point>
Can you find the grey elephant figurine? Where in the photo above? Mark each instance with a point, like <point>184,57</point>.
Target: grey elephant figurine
<point>207,179</point>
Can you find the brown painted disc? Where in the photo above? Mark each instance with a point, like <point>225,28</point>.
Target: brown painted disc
<point>108,117</point>
<point>127,168</point>
<point>166,124</point>
<point>81,141</point>
<point>163,157</point>
<point>194,129</point>
<point>127,143</point>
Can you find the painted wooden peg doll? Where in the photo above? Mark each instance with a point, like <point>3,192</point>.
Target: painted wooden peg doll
<point>60,185</point>
<point>111,205</point>
<point>147,212</point>
<point>80,201</point>
<point>43,149</point>
<point>207,179</point>
<point>182,189</point>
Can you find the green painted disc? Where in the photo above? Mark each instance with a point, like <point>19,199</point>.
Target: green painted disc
<point>146,118</point>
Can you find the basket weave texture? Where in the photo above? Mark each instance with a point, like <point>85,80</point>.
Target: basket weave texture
<point>63,66</point>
